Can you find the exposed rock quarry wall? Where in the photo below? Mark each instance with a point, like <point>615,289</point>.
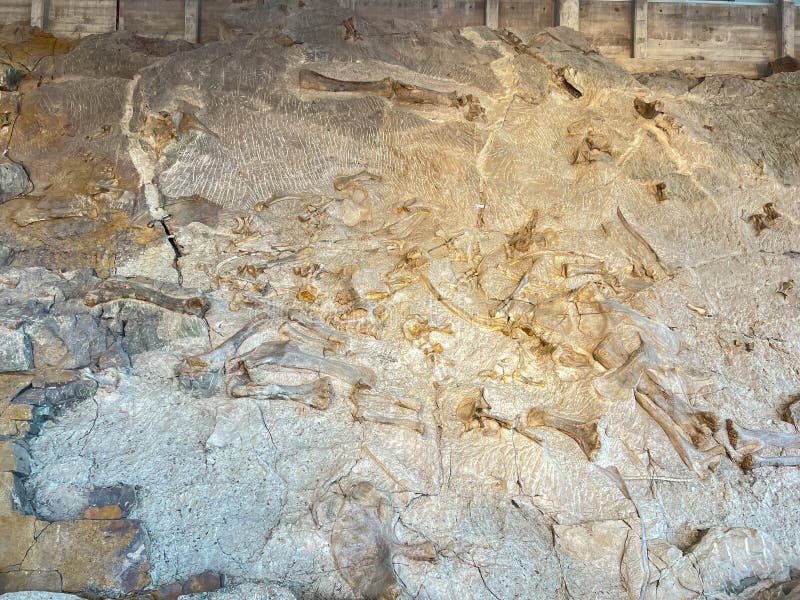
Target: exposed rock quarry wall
<point>382,314</point>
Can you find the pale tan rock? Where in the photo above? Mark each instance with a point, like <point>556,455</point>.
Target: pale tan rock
<point>101,555</point>
<point>21,581</point>
<point>18,531</point>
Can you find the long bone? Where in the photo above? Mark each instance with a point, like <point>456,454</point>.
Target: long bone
<point>364,401</point>
<point>584,434</point>
<point>637,373</point>
<point>753,461</point>
<point>147,291</point>
<point>203,372</point>
<point>475,413</point>
<point>366,396</point>
<point>317,394</point>
<point>699,425</point>
<point>700,462</point>
<point>748,441</point>
<point>374,417</point>
<point>289,355</point>
<point>387,87</point>
<point>328,337</point>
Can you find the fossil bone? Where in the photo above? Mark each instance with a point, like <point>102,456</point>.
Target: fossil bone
<point>753,461</point>
<point>748,441</point>
<point>147,291</point>
<point>376,407</point>
<point>202,373</point>
<point>317,394</point>
<point>289,354</point>
<point>700,462</point>
<point>584,434</point>
<point>46,210</point>
<point>362,414</point>
<point>391,89</point>
<point>317,326</point>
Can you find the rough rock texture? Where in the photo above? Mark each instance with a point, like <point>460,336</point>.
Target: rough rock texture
<point>369,310</point>
<point>13,180</point>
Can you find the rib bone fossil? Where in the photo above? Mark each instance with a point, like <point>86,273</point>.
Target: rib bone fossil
<point>393,90</point>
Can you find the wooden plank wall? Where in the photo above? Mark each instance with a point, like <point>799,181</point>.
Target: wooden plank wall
<point>533,15</point>
<point>675,30</point>
<point>445,13</point>
<point>12,11</point>
<point>82,17</point>
<point>797,31</point>
<point>156,18</point>
<point>712,31</point>
<point>608,25</point>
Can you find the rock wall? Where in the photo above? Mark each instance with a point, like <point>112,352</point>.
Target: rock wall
<point>329,309</point>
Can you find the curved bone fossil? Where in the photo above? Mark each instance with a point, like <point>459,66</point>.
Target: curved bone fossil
<point>147,291</point>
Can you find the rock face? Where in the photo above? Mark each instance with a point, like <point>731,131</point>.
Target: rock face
<point>381,312</point>
<point>13,180</point>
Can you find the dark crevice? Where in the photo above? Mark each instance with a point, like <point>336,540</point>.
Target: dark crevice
<point>172,242</point>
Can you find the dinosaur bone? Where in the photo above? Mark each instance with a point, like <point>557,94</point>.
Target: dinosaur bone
<point>317,394</point>
<point>374,417</point>
<point>202,373</point>
<point>748,441</point>
<point>385,409</point>
<point>147,291</point>
<point>289,355</point>
<point>700,462</point>
<point>391,89</point>
<point>753,461</point>
<point>584,434</point>
<point>311,329</point>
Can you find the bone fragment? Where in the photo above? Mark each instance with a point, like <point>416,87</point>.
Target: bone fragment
<point>700,462</point>
<point>317,394</point>
<point>753,461</point>
<point>289,355</point>
<point>748,441</point>
<point>584,434</point>
<point>202,373</point>
<point>374,417</point>
<point>392,89</point>
<point>147,291</point>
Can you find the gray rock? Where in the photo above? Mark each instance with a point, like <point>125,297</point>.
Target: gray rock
<point>249,591</point>
<point>9,78</point>
<point>14,180</point>
<point>38,596</point>
<point>15,351</point>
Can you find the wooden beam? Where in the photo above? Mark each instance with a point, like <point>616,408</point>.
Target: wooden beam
<point>639,28</point>
<point>492,14</point>
<point>192,17</point>
<point>568,13</point>
<point>39,10</point>
<point>786,19</point>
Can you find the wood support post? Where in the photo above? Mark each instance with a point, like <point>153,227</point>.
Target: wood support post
<point>639,28</point>
<point>492,14</point>
<point>786,12</point>
<point>192,20</point>
<point>39,10</point>
<point>568,13</point>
